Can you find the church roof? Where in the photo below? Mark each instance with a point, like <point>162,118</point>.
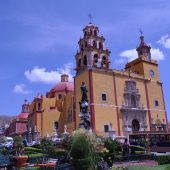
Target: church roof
<point>23,116</point>
<point>63,86</point>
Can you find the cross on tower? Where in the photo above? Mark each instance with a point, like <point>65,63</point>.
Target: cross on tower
<point>90,17</point>
<point>141,32</point>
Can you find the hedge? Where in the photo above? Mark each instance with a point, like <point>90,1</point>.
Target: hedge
<point>32,149</point>
<point>137,148</point>
<point>83,164</point>
<point>163,159</point>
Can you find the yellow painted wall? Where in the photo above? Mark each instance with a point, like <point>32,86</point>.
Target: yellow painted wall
<point>105,111</point>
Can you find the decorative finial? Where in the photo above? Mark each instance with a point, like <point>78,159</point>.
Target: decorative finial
<point>90,17</point>
<point>141,32</point>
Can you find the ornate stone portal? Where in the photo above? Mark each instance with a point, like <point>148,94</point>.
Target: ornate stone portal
<point>133,112</point>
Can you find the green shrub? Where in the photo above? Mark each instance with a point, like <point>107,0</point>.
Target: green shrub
<point>80,147</point>
<point>67,142</point>
<point>83,164</point>
<point>112,146</point>
<point>134,149</point>
<point>163,159</point>
<point>32,149</point>
<point>82,152</point>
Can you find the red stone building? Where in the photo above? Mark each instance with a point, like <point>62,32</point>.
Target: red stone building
<point>19,124</point>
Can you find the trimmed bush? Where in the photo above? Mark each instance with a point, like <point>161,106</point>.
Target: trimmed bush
<point>82,153</point>
<point>163,159</point>
<point>32,149</point>
<point>135,148</point>
<point>83,164</point>
<point>80,147</point>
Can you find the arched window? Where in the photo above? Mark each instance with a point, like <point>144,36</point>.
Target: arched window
<point>79,62</point>
<point>95,33</point>
<point>86,44</point>
<point>100,46</point>
<point>133,101</point>
<point>39,106</point>
<point>95,59</point>
<point>85,60</point>
<point>82,47</point>
<point>94,44</point>
<point>104,59</point>
<point>91,32</point>
<point>135,125</point>
<point>59,96</point>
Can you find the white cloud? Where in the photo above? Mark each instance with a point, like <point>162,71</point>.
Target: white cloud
<point>41,75</point>
<point>157,54</point>
<point>129,55</point>
<point>165,41</point>
<point>21,89</point>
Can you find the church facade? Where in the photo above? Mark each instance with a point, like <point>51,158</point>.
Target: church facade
<point>120,102</point>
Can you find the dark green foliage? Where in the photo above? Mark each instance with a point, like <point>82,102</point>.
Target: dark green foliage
<point>67,142</point>
<point>47,146</point>
<point>33,150</point>
<point>80,147</point>
<point>137,148</point>
<point>82,154</point>
<point>83,164</point>
<point>112,145</point>
<point>163,159</point>
<point>18,145</point>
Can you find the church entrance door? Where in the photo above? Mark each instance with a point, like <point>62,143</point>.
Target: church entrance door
<point>135,125</point>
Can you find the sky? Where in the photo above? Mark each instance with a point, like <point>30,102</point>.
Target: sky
<point>39,40</point>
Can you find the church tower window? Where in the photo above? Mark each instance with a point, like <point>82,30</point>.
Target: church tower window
<point>95,33</point>
<point>156,103</point>
<point>95,59</point>
<point>94,44</point>
<point>85,60</point>
<point>79,62</point>
<point>100,46</point>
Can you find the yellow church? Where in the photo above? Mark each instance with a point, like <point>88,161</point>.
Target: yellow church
<point>121,102</point>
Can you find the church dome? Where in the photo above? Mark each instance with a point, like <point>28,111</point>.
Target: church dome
<point>64,85</point>
<point>23,116</point>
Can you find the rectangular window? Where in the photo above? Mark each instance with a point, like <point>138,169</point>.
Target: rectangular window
<point>56,125</point>
<point>106,128</point>
<point>104,97</point>
<point>156,103</point>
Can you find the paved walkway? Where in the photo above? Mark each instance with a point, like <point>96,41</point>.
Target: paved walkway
<point>136,163</point>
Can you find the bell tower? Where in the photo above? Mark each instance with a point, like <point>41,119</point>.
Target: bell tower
<point>144,49</point>
<point>92,52</point>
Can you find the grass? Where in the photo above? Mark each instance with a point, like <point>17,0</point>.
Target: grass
<point>159,167</point>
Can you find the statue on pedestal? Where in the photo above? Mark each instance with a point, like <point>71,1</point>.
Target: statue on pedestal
<point>84,113</point>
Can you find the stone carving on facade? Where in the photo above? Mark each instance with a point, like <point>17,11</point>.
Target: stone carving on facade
<point>133,111</point>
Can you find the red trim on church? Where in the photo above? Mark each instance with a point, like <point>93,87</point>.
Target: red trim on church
<point>35,119</point>
<point>117,111</point>
<point>91,100</point>
<point>164,108</point>
<point>148,104</point>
